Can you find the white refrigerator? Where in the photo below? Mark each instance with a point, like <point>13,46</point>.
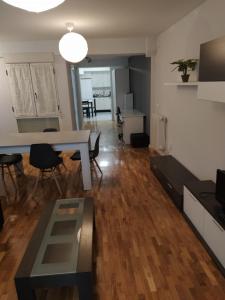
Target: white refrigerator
<point>120,87</point>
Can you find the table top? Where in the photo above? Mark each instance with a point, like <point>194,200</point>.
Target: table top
<point>53,138</point>
<point>62,241</point>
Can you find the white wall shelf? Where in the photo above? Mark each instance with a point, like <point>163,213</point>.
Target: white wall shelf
<point>190,83</point>
<point>212,91</point>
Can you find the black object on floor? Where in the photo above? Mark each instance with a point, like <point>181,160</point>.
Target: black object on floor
<point>173,176</point>
<point>1,217</point>
<point>139,140</point>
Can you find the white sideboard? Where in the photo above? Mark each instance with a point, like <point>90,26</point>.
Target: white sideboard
<point>133,122</point>
<point>206,224</point>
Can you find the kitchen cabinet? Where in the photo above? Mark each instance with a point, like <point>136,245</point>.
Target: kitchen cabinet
<point>103,103</point>
<point>133,122</point>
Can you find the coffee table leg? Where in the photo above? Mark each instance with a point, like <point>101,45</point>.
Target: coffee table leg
<point>24,292</point>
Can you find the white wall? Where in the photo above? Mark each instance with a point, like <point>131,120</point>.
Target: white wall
<point>95,46</point>
<point>65,97</point>
<point>7,119</point>
<point>196,128</point>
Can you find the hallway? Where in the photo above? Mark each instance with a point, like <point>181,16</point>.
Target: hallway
<point>108,128</point>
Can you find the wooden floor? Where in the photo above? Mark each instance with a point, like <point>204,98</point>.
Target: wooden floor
<point>145,249</point>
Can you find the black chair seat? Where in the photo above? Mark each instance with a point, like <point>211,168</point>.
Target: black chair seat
<point>10,159</point>
<point>76,156</point>
<point>42,156</point>
<point>58,152</point>
<point>92,153</point>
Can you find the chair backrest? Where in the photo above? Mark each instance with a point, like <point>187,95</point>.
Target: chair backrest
<point>42,156</point>
<point>50,130</point>
<point>95,151</point>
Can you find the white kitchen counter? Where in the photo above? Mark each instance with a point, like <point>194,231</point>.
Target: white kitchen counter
<point>131,113</point>
<point>133,122</point>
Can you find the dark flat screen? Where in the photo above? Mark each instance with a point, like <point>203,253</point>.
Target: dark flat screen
<point>212,61</point>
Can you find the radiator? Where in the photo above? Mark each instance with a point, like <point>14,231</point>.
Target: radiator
<point>159,132</point>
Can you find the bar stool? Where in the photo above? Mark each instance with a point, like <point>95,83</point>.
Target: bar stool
<point>6,161</point>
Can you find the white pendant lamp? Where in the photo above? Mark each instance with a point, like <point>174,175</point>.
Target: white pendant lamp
<point>34,5</point>
<point>73,47</point>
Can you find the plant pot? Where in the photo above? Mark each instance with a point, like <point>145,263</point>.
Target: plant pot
<point>185,77</point>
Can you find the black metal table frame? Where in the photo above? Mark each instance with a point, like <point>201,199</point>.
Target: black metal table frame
<point>89,107</point>
<point>82,279</point>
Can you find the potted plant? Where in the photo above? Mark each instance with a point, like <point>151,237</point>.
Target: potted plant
<point>184,66</point>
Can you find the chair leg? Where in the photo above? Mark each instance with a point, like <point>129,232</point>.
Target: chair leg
<point>4,184</point>
<point>40,174</point>
<point>56,181</point>
<point>36,184</point>
<point>97,165</point>
<point>11,176</point>
<point>19,170</point>
<point>79,168</point>
<point>94,168</point>
<point>64,166</point>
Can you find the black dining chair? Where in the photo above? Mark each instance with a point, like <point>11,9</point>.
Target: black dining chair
<point>119,122</point>
<point>52,130</point>
<point>93,153</point>
<point>6,161</point>
<point>57,152</point>
<point>86,108</point>
<point>44,158</point>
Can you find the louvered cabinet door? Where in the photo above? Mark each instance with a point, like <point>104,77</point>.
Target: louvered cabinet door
<point>21,90</point>
<point>44,86</point>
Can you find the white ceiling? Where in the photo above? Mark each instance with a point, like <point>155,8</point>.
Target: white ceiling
<point>94,19</point>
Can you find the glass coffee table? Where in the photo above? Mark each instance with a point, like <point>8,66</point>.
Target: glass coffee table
<point>60,251</point>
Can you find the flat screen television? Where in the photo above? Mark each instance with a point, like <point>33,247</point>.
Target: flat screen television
<point>212,60</point>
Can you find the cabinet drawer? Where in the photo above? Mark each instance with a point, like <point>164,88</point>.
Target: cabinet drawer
<point>169,188</point>
<point>194,211</point>
<point>214,236</point>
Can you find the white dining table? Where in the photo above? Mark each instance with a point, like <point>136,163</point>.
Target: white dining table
<point>61,140</point>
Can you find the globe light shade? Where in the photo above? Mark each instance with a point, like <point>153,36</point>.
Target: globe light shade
<point>34,5</point>
<point>73,47</point>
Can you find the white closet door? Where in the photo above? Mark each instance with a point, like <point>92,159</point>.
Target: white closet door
<point>21,89</point>
<point>44,89</point>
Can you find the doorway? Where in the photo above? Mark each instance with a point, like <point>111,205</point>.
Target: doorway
<point>103,83</point>
<point>96,94</point>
